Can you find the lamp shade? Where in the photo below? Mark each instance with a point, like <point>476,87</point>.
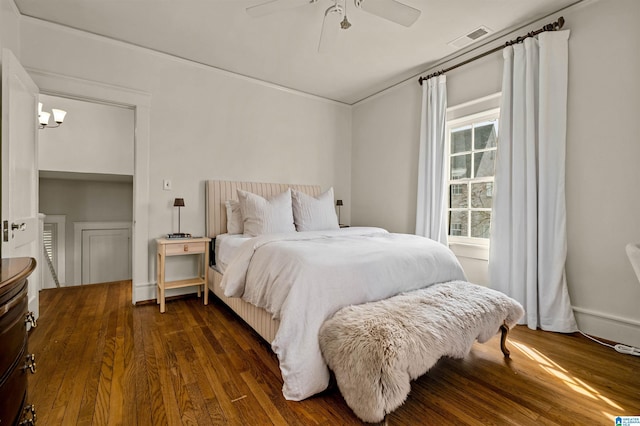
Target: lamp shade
<point>179,202</point>
<point>58,115</point>
<point>339,203</point>
<point>43,118</point>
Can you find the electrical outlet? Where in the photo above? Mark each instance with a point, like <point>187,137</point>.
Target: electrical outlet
<point>166,184</point>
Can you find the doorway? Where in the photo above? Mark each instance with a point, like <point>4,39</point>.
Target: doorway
<point>140,102</point>
<point>86,169</point>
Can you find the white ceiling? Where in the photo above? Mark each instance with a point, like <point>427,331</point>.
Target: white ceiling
<point>282,48</point>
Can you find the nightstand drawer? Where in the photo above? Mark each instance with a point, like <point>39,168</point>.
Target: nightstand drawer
<point>184,248</point>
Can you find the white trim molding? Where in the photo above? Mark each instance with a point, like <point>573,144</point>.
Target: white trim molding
<point>471,251</point>
<point>622,320</point>
<point>607,326</point>
<point>93,91</point>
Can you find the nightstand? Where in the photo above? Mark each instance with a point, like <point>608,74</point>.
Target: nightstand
<point>181,247</point>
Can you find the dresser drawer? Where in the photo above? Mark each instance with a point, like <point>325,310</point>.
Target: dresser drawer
<point>10,293</point>
<point>12,394</point>
<point>13,334</point>
<point>184,248</point>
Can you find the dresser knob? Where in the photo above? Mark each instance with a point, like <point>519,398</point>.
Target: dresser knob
<point>31,319</point>
<point>30,364</point>
<point>28,416</point>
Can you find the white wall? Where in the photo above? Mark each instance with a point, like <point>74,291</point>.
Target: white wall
<point>94,138</point>
<point>603,149</point>
<point>9,27</point>
<point>205,124</point>
<point>603,202</point>
<point>384,160</point>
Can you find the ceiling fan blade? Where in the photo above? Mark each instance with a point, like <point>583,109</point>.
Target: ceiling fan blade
<point>330,28</point>
<point>274,6</point>
<point>391,10</point>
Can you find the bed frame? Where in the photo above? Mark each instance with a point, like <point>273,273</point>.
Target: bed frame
<point>217,192</point>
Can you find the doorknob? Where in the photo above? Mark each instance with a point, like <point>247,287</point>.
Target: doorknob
<point>19,227</point>
<point>14,226</point>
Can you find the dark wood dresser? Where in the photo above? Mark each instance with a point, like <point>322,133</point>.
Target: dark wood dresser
<point>15,360</point>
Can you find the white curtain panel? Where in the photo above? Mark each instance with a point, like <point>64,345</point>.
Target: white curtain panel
<point>430,215</point>
<point>528,231</point>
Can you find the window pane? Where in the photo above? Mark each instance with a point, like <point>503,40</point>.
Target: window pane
<point>486,135</point>
<point>459,196</point>
<point>461,166</point>
<point>480,222</point>
<point>49,239</point>
<point>458,223</point>
<point>485,163</point>
<point>482,195</point>
<point>461,139</point>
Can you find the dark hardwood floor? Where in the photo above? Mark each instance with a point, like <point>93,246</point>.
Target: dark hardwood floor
<point>103,361</point>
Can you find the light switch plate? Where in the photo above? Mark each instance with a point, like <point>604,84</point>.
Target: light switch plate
<point>166,184</point>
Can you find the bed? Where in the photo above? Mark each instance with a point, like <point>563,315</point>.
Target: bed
<point>295,339</point>
<point>217,192</point>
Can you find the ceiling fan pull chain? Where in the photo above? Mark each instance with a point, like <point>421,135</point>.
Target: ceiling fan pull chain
<point>345,24</point>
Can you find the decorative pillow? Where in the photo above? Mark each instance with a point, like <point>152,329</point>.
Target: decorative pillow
<point>314,214</point>
<point>235,224</point>
<point>262,216</point>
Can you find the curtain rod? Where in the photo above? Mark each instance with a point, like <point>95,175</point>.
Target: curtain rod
<point>554,26</point>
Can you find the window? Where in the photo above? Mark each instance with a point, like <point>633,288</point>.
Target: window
<point>49,235</point>
<point>53,235</point>
<point>472,143</point>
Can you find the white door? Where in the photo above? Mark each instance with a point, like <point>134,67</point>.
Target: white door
<point>19,176</point>
<point>106,255</point>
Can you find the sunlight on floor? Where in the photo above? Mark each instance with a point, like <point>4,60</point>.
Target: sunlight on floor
<point>573,383</point>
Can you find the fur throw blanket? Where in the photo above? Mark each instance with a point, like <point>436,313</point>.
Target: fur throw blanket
<point>377,348</point>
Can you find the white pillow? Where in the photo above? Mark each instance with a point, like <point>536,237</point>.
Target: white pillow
<point>235,224</point>
<point>262,216</point>
<point>314,214</point>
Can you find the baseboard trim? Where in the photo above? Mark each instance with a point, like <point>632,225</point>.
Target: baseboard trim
<point>606,326</point>
<point>609,317</point>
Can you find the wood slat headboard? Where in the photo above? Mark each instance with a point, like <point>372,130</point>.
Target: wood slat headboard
<point>219,191</point>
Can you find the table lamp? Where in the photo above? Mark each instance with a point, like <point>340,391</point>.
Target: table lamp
<point>178,202</point>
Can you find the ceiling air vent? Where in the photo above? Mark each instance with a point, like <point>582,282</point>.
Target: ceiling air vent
<point>467,39</point>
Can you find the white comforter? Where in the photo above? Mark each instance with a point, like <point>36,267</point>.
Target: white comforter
<point>304,278</point>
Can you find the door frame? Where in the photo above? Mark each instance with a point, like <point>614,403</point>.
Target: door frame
<point>92,91</point>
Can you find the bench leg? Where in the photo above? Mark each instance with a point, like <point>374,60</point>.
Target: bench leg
<point>504,329</point>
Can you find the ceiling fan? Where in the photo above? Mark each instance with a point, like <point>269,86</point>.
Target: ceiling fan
<point>335,17</point>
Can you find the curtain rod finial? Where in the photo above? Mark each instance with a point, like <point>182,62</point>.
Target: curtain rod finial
<point>560,22</point>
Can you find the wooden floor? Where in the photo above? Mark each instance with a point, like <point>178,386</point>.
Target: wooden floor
<point>102,361</point>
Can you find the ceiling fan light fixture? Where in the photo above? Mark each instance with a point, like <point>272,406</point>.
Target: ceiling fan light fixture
<point>335,17</point>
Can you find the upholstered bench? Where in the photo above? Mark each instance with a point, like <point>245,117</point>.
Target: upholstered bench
<point>377,348</point>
